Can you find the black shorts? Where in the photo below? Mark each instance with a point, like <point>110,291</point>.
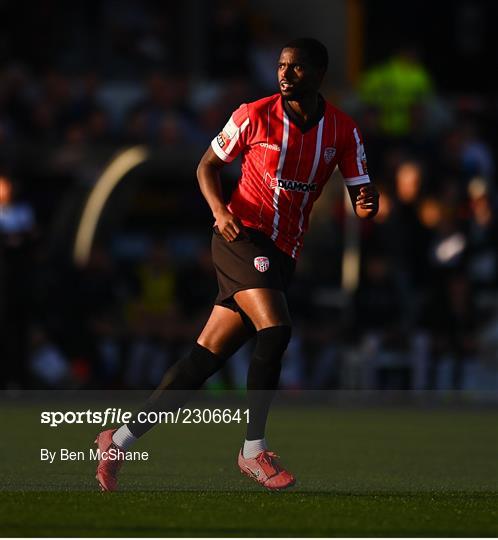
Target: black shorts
<point>252,261</point>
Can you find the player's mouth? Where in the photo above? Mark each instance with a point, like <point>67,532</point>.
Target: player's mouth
<point>285,86</point>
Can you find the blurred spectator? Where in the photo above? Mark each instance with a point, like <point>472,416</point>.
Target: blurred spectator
<point>377,301</point>
<point>154,319</point>
<point>449,316</point>
<point>381,234</point>
<point>17,237</point>
<point>264,53</point>
<point>380,323</point>
<point>17,221</point>
<point>47,365</point>
<point>448,245</point>
<point>482,238</point>
<point>97,313</point>
<point>410,236</point>
<point>164,105</point>
<point>476,156</point>
<point>397,90</point>
<point>465,155</point>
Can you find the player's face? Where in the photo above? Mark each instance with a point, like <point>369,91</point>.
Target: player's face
<point>297,77</point>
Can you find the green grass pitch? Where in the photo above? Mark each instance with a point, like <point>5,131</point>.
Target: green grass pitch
<point>361,472</point>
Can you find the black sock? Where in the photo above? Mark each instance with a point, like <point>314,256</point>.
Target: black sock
<point>263,376</point>
<point>178,385</point>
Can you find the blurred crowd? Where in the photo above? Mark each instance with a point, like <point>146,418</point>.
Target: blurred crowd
<point>425,312</point>
<point>118,72</point>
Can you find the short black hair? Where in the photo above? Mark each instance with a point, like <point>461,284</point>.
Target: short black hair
<point>314,49</point>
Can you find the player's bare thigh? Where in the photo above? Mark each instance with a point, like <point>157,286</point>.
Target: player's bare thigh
<point>265,307</point>
<point>225,332</point>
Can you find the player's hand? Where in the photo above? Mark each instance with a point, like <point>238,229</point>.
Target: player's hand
<point>367,202</point>
<point>228,225</point>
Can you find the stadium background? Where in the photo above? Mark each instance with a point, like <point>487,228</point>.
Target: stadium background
<point>407,301</point>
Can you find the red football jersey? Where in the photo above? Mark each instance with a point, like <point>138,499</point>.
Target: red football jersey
<point>283,169</point>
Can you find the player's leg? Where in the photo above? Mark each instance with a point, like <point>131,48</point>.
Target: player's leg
<point>268,311</point>
<point>221,336</point>
<point>224,332</point>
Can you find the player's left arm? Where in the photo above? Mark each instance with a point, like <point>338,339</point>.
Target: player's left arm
<point>353,166</point>
<point>365,200</point>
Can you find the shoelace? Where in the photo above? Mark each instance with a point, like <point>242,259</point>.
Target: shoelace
<point>268,464</point>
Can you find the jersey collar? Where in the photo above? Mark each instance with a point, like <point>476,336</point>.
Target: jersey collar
<point>304,127</point>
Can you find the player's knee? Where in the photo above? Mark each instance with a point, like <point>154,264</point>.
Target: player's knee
<point>191,372</point>
<point>272,342</point>
<point>205,361</point>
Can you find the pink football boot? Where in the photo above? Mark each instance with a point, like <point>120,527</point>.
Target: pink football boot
<point>107,469</point>
<point>265,470</point>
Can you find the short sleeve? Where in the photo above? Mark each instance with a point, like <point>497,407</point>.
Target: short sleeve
<point>353,160</point>
<point>228,144</point>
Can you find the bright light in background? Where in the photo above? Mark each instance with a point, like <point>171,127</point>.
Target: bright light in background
<point>121,165</point>
<point>450,248</point>
<point>5,191</point>
<point>477,187</point>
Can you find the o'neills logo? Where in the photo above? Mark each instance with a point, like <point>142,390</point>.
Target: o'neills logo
<point>270,146</point>
<point>290,185</point>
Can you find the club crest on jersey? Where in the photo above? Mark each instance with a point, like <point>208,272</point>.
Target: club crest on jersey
<point>289,185</point>
<point>328,154</point>
<point>261,264</point>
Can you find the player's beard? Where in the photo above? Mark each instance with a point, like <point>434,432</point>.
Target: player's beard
<point>295,95</point>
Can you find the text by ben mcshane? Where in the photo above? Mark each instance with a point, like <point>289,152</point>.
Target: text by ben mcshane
<point>91,454</point>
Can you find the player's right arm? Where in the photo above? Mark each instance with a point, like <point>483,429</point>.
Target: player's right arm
<point>208,175</point>
<point>224,148</point>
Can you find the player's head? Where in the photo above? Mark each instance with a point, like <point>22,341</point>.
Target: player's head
<point>301,67</point>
